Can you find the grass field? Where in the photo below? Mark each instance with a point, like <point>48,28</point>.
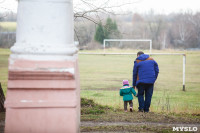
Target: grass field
<point>8,26</point>
<point>104,75</point>
<point>4,54</point>
<point>101,77</point>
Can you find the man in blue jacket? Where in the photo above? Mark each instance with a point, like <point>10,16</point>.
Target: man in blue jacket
<point>145,73</point>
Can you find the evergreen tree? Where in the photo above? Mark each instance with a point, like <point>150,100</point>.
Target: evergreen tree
<point>115,25</point>
<point>109,31</point>
<point>108,28</point>
<point>99,35</point>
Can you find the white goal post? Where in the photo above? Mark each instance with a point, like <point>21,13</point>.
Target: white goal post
<point>127,40</point>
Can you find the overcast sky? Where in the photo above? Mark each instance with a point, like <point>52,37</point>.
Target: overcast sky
<point>141,6</point>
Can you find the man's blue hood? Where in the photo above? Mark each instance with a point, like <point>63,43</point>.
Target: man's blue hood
<point>142,57</point>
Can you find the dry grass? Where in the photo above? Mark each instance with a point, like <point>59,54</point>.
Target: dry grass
<point>101,78</point>
<point>8,26</point>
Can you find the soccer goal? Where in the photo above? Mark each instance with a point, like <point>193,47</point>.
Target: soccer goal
<point>149,42</point>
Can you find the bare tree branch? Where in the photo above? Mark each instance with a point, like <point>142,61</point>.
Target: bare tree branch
<point>76,34</point>
<point>2,17</point>
<point>94,10</point>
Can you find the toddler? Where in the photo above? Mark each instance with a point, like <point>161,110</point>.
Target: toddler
<point>126,91</point>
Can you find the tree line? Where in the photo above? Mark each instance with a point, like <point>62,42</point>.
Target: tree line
<point>173,31</point>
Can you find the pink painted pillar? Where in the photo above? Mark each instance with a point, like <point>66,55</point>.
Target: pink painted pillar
<point>43,93</point>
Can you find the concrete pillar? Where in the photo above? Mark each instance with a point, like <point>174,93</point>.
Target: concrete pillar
<point>43,93</point>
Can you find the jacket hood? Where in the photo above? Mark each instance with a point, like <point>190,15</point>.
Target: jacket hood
<point>142,57</point>
<point>126,90</point>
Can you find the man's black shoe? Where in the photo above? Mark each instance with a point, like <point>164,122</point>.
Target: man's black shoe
<point>140,110</point>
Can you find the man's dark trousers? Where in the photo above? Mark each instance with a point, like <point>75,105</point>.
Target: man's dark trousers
<point>146,89</point>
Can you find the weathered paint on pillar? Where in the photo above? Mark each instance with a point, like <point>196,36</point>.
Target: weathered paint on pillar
<point>43,93</point>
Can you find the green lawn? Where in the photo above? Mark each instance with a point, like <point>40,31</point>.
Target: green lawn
<point>104,75</point>
<point>4,54</point>
<point>8,26</point>
<point>101,77</point>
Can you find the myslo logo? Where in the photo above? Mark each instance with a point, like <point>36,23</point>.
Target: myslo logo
<point>190,129</point>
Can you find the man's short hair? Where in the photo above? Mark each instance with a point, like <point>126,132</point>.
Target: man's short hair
<point>139,53</point>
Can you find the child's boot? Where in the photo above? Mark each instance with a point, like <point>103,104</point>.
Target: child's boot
<point>131,109</point>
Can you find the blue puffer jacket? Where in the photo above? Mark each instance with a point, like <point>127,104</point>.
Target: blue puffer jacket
<point>145,70</point>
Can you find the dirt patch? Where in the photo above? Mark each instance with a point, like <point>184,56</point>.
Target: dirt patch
<point>125,129</point>
<point>120,116</point>
<point>131,126</point>
<point>92,124</point>
<point>112,120</point>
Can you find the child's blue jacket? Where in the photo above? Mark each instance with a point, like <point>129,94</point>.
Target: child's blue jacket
<point>127,92</point>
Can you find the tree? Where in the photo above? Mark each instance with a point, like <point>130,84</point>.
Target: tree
<point>99,35</point>
<point>92,9</point>
<point>182,30</point>
<point>195,38</point>
<point>108,27</point>
<point>111,30</point>
<point>156,25</point>
<point>95,10</point>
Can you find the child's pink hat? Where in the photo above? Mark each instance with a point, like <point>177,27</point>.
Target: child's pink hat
<point>125,82</point>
